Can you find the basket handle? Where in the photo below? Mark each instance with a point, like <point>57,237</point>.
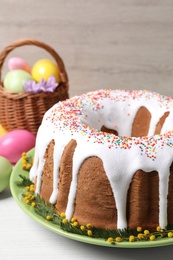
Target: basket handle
<point>27,41</point>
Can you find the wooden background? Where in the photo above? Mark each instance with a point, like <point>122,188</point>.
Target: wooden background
<point>126,44</point>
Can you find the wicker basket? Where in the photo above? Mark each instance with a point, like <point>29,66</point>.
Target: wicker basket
<point>24,110</point>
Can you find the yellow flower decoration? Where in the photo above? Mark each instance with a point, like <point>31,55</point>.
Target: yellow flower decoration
<point>62,215</point>
<point>170,234</point>
<point>139,229</point>
<point>82,228</point>
<point>110,240</point>
<point>152,237</point>
<point>64,221</point>
<point>131,238</point>
<point>48,217</point>
<point>146,232</point>
<point>89,232</point>
<point>73,220</point>
<point>141,236</point>
<point>75,224</point>
<point>118,239</point>
<point>32,187</point>
<point>88,225</point>
<point>159,228</point>
<point>33,204</point>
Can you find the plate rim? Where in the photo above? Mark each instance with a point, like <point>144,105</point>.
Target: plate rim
<point>16,192</point>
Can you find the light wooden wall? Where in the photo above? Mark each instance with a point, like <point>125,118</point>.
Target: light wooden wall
<point>125,44</point>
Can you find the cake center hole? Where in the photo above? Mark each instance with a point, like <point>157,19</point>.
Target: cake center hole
<point>137,126</point>
<point>107,130</point>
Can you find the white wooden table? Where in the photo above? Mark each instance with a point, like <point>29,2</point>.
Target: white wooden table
<point>126,44</point>
<point>21,238</point>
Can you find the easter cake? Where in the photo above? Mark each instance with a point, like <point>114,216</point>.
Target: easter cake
<point>105,158</point>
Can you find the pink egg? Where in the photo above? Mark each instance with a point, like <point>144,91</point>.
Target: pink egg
<point>17,63</point>
<point>14,143</point>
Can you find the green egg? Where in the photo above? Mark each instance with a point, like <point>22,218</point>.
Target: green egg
<point>5,172</point>
<point>15,79</point>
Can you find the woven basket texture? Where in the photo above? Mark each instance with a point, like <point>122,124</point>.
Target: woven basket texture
<point>25,110</point>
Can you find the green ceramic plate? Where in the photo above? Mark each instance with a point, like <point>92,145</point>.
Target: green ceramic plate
<point>17,191</point>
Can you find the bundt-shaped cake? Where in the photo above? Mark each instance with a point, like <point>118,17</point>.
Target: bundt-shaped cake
<point>105,158</point>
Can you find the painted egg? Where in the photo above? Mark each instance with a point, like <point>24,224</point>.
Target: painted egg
<point>15,79</point>
<point>43,69</point>
<point>16,63</point>
<point>5,172</point>
<point>14,143</point>
<point>2,131</point>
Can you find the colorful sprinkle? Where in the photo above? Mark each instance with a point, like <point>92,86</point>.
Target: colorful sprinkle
<point>73,113</point>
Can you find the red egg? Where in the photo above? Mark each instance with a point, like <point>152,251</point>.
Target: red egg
<point>14,143</point>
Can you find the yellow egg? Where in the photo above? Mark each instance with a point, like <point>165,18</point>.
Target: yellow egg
<point>2,131</point>
<point>43,69</point>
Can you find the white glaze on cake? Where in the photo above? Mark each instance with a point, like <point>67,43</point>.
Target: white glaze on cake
<point>79,118</point>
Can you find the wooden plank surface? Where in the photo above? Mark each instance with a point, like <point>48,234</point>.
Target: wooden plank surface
<point>104,44</point>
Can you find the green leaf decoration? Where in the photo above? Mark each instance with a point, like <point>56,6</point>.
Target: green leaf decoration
<point>43,208</point>
<point>24,182</point>
<point>46,210</point>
